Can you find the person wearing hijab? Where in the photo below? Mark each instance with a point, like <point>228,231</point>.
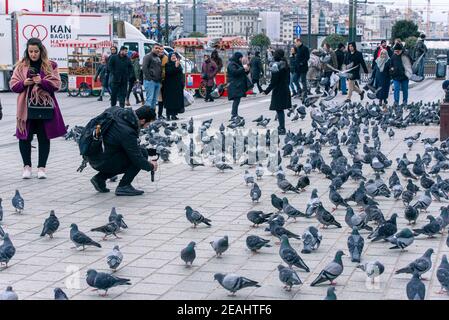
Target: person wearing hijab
<point>383,78</point>
<point>237,82</point>
<point>279,84</point>
<point>173,84</point>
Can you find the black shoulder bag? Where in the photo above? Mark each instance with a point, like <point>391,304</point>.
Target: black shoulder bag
<point>39,111</point>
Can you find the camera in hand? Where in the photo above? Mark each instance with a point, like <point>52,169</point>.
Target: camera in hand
<point>152,152</point>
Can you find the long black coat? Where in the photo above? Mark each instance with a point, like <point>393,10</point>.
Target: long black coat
<point>383,80</point>
<point>120,68</point>
<point>280,80</point>
<point>237,80</point>
<point>173,88</point>
<point>356,59</point>
<point>302,59</point>
<point>256,68</point>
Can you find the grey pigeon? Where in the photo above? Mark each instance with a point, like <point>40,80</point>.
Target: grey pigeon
<point>9,294</point>
<point>443,274</point>
<point>108,229</point>
<point>291,211</point>
<point>233,282</point>
<point>188,254</point>
<point>336,198</point>
<point>385,230</point>
<point>285,185</point>
<point>258,217</point>
<point>356,222</point>
<point>104,281</point>
<point>423,201</point>
<point>248,177</point>
<point>255,192</point>
<point>259,171</point>
<point>331,271</point>
<point>311,239</point>
<point>326,218</point>
<point>117,218</point>
<point>51,225</point>
<point>372,269</point>
<point>443,218</point>
<point>114,258</point>
<point>430,229</point>
<point>402,239</point>
<point>411,214</point>
<point>80,239</point>
<point>330,295</point>
<point>355,246</point>
<point>290,256</point>
<point>288,277</point>
<point>420,265</point>
<point>59,294</point>
<point>277,202</point>
<point>17,202</point>
<point>195,217</point>
<point>220,245</point>
<point>416,290</point>
<point>223,166</point>
<point>277,231</point>
<point>7,250</point>
<point>255,243</point>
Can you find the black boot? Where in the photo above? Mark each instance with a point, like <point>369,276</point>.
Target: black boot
<point>99,185</point>
<point>127,190</point>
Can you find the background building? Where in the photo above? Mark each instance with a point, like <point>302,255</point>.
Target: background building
<point>214,25</point>
<point>201,20</point>
<point>242,23</point>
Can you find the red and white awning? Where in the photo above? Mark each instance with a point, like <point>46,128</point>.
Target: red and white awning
<point>92,43</point>
<point>190,42</point>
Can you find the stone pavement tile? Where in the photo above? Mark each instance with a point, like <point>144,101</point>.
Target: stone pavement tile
<point>134,273</point>
<point>274,292</point>
<point>30,285</point>
<point>150,288</point>
<point>195,286</point>
<point>47,276</point>
<point>157,277</point>
<point>139,296</point>
<point>181,295</point>
<point>148,263</point>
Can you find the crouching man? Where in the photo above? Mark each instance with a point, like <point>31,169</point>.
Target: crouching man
<point>122,153</point>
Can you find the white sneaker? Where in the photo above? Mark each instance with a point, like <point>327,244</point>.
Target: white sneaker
<point>26,172</point>
<point>41,173</point>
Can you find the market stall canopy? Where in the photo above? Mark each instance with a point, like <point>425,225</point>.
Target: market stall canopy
<point>231,42</point>
<point>219,43</point>
<point>92,43</point>
<point>190,42</point>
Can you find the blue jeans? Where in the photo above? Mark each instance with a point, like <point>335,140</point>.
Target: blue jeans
<point>294,83</point>
<point>343,88</point>
<point>398,86</point>
<point>152,89</point>
<point>421,67</point>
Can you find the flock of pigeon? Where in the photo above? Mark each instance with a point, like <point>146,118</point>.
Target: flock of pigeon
<point>336,127</point>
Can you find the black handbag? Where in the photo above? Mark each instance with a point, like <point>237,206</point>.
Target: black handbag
<point>39,111</point>
<point>204,76</point>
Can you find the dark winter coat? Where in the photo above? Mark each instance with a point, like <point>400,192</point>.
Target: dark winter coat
<point>209,68</point>
<point>120,68</point>
<point>292,63</point>
<point>383,81</point>
<point>237,79</point>
<point>256,68</point>
<point>103,74</point>
<point>376,53</point>
<point>302,59</point>
<point>121,142</point>
<point>219,62</point>
<point>340,58</point>
<point>152,67</point>
<point>173,88</point>
<point>279,84</point>
<point>356,59</point>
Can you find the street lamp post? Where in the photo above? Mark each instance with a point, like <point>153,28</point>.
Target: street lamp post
<point>194,16</point>
<point>309,25</point>
<point>166,22</point>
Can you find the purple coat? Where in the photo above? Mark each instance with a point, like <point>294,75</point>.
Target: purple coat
<point>210,68</point>
<point>54,127</point>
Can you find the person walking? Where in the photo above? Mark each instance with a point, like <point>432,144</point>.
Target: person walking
<point>114,51</point>
<point>341,53</point>
<point>314,70</point>
<point>174,87</point>
<point>103,74</point>
<point>134,81</point>
<point>302,65</point>
<point>383,78</point>
<point>353,60</point>
<point>152,75</point>
<point>256,70</point>
<point>329,64</point>
<point>382,46</point>
<point>121,69</point>
<point>208,71</point>
<point>218,61</point>
<point>36,79</point>
<point>420,52</point>
<point>238,82</point>
<point>279,84</point>
<point>401,71</point>
<point>160,100</point>
<point>294,83</point>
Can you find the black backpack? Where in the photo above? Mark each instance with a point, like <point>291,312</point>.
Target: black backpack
<point>91,139</point>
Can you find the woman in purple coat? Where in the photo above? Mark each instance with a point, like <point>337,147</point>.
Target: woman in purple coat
<point>36,78</point>
<point>208,71</point>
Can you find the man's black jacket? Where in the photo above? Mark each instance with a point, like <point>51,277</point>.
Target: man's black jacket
<point>120,68</point>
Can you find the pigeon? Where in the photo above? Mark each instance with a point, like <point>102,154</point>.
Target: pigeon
<point>104,281</point>
<point>288,277</point>
<point>430,229</point>
<point>258,217</point>
<point>330,295</point>
<point>411,214</point>
<point>80,239</point>
<point>7,250</point>
<point>356,222</point>
<point>420,265</point>
<point>221,166</point>
<point>443,218</point>
<point>114,258</point>
<point>195,217</point>
<point>255,243</point>
<point>51,225</point>
<point>17,202</point>
<point>385,230</point>
<point>255,192</point>
<point>372,269</point>
<point>108,229</point>
<point>220,245</point>
<point>407,174</point>
<point>336,198</point>
<point>331,271</point>
<point>188,254</point>
<point>355,245</point>
<point>407,197</point>
<point>326,218</point>
<point>60,295</point>
<point>443,274</point>
<point>290,256</point>
<point>259,171</point>
<point>248,177</point>
<point>402,239</point>
<point>416,290</point>
<point>9,294</point>
<point>277,231</point>
<point>311,239</point>
<point>277,202</point>
<point>284,185</point>
<point>117,218</point>
<point>303,182</point>
<point>233,282</point>
<point>290,211</point>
